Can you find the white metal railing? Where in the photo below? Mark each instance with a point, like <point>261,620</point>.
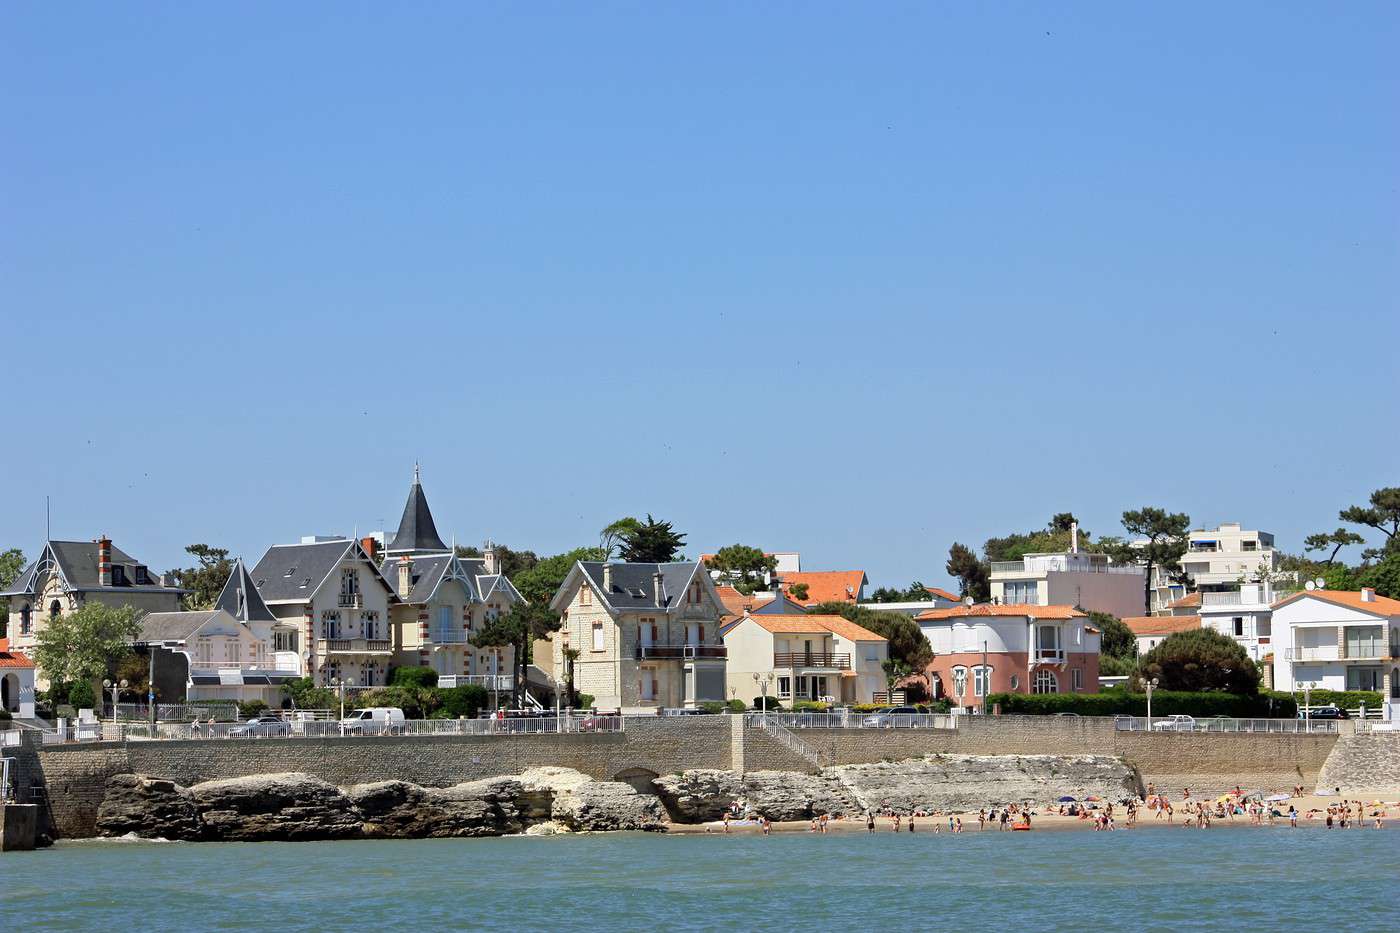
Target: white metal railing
<point>1223,724</point>
<point>276,663</point>
<point>177,712</point>
<point>1059,565</point>
<point>9,737</point>
<point>565,723</point>
<point>845,719</point>
<point>447,636</point>
<point>1323,653</point>
<point>769,725</point>
<point>351,601</point>
<point>1378,726</point>
<point>1049,655</point>
<point>4,780</point>
<point>489,681</point>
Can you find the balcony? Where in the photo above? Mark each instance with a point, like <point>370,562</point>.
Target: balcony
<point>1049,656</point>
<point>680,652</point>
<point>351,601</point>
<point>812,659</point>
<point>448,636</point>
<point>488,681</point>
<point>279,662</point>
<point>356,645</point>
<point>1322,653</point>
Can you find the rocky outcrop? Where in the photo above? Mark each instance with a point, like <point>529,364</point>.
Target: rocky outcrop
<point>149,807</point>
<point>582,804</point>
<point>274,806</point>
<point>701,795</point>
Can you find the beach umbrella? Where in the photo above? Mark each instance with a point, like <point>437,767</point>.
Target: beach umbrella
<point>1093,797</point>
<point>1066,799</point>
<point>1277,797</point>
<point>1225,798</point>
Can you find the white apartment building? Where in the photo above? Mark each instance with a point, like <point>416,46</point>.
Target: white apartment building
<point>1070,578</point>
<point>1246,615</point>
<point>1217,560</point>
<point>1339,640</point>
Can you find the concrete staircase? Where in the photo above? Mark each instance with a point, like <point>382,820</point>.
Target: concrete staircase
<point>789,740</point>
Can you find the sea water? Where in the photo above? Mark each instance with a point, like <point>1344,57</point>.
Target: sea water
<point>1224,878</point>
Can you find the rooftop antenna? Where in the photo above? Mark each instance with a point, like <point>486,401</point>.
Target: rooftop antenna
<point>48,534</point>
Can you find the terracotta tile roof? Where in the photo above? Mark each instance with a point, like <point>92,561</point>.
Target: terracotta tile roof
<point>1002,611</point>
<point>826,586</point>
<point>942,594</point>
<point>1379,605</point>
<point>736,602</point>
<point>10,658</point>
<point>1189,601</point>
<point>838,625</point>
<point>1161,625</point>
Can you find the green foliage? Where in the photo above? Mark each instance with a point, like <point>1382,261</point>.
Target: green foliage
<point>81,695</point>
<point>613,536</point>
<point>85,644</point>
<point>416,677</point>
<point>465,701</point>
<point>651,542</point>
<point>798,591</point>
<point>713,706</point>
<point>1332,542</point>
<point>1383,514</point>
<point>11,563</point>
<point>416,703</point>
<point>1383,577</point>
<point>973,575</point>
<point>205,580</point>
<point>809,706</point>
<point>5,715</point>
<point>585,701</point>
<point>1164,703</point>
<point>1166,537</point>
<point>1055,536</point>
<point>1200,659</point>
<point>766,703</point>
<point>736,706</point>
<point>247,709</point>
<point>907,643</point>
<point>539,583</point>
<point>1342,699</point>
<point>1110,666</point>
<point>916,592</point>
<point>512,561</point>
<point>749,563</point>
<point>304,694</point>
<point>1116,639</point>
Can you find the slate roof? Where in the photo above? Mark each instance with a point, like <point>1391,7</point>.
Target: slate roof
<point>293,572</point>
<point>416,529</point>
<point>633,584</point>
<point>240,598</point>
<point>172,626</point>
<point>77,562</point>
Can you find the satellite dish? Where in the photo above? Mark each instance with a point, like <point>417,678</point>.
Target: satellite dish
<point>968,601</point>
<point>1310,586</point>
<point>1321,583</point>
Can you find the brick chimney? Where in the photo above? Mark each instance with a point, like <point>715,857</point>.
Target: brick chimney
<point>104,561</point>
<point>405,576</point>
<point>658,586</point>
<point>490,559</point>
<point>371,546</point>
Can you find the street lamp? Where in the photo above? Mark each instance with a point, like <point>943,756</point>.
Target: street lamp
<point>340,686</point>
<point>763,680</point>
<point>1150,686</point>
<point>114,687</point>
<point>1308,686</point>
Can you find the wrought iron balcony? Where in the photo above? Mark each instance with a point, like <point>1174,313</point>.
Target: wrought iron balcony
<point>679,652</point>
<point>822,659</point>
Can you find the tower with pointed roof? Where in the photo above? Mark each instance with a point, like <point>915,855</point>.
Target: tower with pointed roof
<point>417,533</point>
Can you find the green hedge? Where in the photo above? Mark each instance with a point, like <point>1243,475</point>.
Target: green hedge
<point>1164,703</point>
<point>1344,699</point>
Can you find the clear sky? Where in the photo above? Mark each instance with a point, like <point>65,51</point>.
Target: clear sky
<point>855,280</point>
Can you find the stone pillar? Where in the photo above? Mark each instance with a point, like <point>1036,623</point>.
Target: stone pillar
<point>309,648</point>
<point>1342,643</point>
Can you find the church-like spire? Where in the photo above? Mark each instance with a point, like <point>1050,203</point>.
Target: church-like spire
<point>240,598</point>
<point>416,529</point>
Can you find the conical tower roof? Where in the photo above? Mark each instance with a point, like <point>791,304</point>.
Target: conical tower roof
<point>416,529</point>
<point>240,598</point>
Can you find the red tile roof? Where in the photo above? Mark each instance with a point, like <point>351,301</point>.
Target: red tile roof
<point>941,594</point>
<point>10,658</point>
<point>1161,625</point>
<point>1189,601</point>
<point>1002,611</point>
<point>839,625</point>
<point>1378,605</point>
<point>826,586</point>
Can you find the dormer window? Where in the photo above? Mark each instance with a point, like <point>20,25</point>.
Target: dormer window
<point>143,576</point>
<point>118,575</point>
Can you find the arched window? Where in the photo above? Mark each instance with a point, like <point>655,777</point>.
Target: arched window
<point>26,619</point>
<point>959,682</point>
<point>55,609</point>
<point>1045,682</point>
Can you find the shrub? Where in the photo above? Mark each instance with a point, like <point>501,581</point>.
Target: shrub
<point>5,715</point>
<point>868,707</point>
<point>713,706</point>
<point>1343,699</point>
<point>417,677</point>
<point>80,695</point>
<point>1202,704</point>
<point>465,701</point>
<point>585,700</point>
<point>250,708</point>
<point>409,700</point>
<point>809,706</point>
<point>736,706</point>
<point>766,703</point>
<point>1200,659</point>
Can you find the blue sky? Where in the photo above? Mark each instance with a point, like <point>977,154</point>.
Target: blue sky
<point>855,280</point>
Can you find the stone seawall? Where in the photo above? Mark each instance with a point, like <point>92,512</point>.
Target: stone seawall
<point>75,776</point>
<point>1365,761</point>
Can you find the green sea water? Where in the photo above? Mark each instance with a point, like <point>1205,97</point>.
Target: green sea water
<point>1150,879</point>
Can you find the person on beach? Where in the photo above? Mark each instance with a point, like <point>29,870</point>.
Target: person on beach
<point>981,820</point>
<point>726,821</point>
<point>767,826</point>
<point>1005,818</point>
<point>1292,816</point>
<point>911,822</point>
<point>870,821</point>
<point>894,825</point>
<point>823,823</point>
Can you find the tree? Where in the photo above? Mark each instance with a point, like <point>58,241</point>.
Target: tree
<point>539,582</point>
<point>84,645</point>
<point>651,542</point>
<point>11,563</point>
<point>1336,540</point>
<point>1383,577</point>
<point>614,536</point>
<point>749,563</point>
<point>1164,540</point>
<point>205,581</point>
<point>1383,514</point>
<point>895,671</point>
<point>512,561</point>
<point>973,575</point>
<point>915,593</point>
<point>517,628</point>
<point>571,656</point>
<point>1199,659</point>
<point>906,640</point>
<point>798,591</point>
<point>1115,639</point>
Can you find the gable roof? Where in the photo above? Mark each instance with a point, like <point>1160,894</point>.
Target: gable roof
<point>174,626</point>
<point>1004,610</point>
<point>1189,601</point>
<point>294,572</point>
<point>76,562</point>
<point>1351,599</point>
<point>942,594</point>
<point>633,585</point>
<point>1161,625</point>
<point>241,599</point>
<point>788,624</point>
<point>825,586</point>
<point>416,529</point>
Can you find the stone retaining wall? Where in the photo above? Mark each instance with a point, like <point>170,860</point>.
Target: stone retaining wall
<point>1364,761</point>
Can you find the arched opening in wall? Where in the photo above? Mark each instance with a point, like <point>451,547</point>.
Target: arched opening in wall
<point>639,779</point>
<point>1395,683</point>
<point>55,609</point>
<point>9,693</point>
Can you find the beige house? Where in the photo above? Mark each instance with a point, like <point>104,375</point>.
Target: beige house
<point>68,574</point>
<point>647,635</point>
<point>803,657</point>
<point>217,656</point>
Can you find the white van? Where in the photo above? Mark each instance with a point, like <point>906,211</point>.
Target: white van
<point>376,720</point>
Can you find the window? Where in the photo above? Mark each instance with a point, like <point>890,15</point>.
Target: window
<point>55,609</point>
<point>234,651</point>
<point>585,596</point>
<point>26,620</point>
<point>959,682</point>
<point>1047,641</point>
<point>284,641</point>
<point>203,651</point>
<point>1020,591</point>
<point>784,688</point>
<point>143,577</point>
<point>1238,622</point>
<point>1364,641</point>
<point>118,576</point>
<point>1015,682</point>
<point>597,636</point>
<point>1078,680</point>
<point>981,680</point>
<point>1045,682</point>
<point>1249,545</point>
<point>647,686</point>
<point>1364,678</point>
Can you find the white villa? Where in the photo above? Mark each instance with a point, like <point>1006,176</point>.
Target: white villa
<point>803,657</point>
<point>1338,640</point>
<point>1070,578</point>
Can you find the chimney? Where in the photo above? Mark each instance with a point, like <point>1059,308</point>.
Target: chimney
<point>371,546</point>
<point>167,580</point>
<point>607,580</point>
<point>1368,595</point>
<point>490,559</point>
<point>1074,537</point>
<point>405,576</point>
<point>104,561</point>
<point>659,588</point>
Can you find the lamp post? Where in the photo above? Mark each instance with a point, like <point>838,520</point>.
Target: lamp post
<point>763,680</point>
<point>1307,704</point>
<point>340,686</point>
<point>114,687</point>
<point>986,679</point>
<point>1150,686</point>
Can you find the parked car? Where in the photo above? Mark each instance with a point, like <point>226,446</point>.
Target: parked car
<point>1178,722</point>
<point>1325,712</point>
<point>261,726</point>
<point>375,720</point>
<point>889,717</point>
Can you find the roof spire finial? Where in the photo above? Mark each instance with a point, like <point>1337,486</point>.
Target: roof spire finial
<point>416,474</point>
